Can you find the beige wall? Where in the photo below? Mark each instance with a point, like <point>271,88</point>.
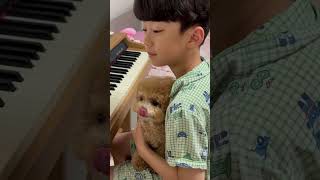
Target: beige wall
<point>126,19</point>
<point>121,15</point>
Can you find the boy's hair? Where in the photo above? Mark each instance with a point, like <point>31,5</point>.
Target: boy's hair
<point>187,12</point>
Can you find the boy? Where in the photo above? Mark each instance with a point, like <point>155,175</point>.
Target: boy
<point>174,32</point>
<point>266,111</point>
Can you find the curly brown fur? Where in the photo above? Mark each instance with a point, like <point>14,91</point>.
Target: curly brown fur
<point>153,96</point>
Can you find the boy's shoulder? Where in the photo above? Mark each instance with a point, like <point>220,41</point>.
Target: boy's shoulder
<point>192,91</point>
<point>196,93</point>
<point>192,98</point>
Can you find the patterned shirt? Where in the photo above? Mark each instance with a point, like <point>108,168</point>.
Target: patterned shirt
<point>187,120</point>
<point>265,116</point>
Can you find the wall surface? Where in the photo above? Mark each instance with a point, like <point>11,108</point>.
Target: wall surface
<point>121,15</point>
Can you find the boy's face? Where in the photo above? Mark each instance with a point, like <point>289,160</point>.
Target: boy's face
<point>164,42</point>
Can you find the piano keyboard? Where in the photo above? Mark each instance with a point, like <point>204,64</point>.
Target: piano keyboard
<point>45,10</point>
<point>20,20</point>
<point>123,74</point>
<point>42,43</point>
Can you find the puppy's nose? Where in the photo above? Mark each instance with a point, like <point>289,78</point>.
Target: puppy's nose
<point>143,112</point>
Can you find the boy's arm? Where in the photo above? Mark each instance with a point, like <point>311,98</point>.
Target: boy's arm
<point>160,165</point>
<point>168,172</point>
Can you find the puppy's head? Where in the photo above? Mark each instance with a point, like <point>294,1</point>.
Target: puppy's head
<point>153,96</point>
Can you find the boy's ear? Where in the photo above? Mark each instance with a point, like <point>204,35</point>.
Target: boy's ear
<point>196,37</point>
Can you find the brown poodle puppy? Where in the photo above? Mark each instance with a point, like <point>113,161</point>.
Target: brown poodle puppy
<point>153,96</point>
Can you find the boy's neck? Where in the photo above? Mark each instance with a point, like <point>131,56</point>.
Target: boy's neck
<point>186,63</point>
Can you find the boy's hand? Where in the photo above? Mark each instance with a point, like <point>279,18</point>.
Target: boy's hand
<point>138,138</point>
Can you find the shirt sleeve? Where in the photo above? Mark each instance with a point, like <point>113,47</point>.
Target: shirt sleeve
<point>186,137</point>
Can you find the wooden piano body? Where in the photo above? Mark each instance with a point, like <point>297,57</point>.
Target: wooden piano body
<point>120,111</point>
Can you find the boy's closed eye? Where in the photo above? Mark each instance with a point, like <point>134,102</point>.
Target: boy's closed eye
<point>155,31</point>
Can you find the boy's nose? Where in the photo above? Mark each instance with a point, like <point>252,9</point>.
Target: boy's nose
<point>147,41</point>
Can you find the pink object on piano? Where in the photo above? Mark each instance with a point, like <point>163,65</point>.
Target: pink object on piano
<point>130,32</point>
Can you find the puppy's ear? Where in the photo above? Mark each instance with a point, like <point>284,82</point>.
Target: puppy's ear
<point>135,99</point>
<point>166,84</point>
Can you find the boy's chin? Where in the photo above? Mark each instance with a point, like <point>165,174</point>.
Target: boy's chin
<point>157,64</point>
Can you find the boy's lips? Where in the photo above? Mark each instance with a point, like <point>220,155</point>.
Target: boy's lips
<point>152,54</point>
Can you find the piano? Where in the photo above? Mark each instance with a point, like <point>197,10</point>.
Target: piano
<point>129,63</point>
<point>51,51</point>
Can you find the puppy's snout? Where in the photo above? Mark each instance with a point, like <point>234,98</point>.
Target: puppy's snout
<point>143,112</point>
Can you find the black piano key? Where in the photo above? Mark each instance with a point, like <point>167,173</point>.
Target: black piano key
<point>112,89</point>
<point>61,4</point>
<point>1,103</point>
<point>117,75</point>
<point>127,58</point>
<point>124,62</point>
<point>26,32</point>
<point>29,53</point>
<point>44,7</point>
<point>115,80</point>
<point>134,54</point>
<point>121,66</point>
<point>117,70</point>
<point>10,75</point>
<point>32,25</point>
<point>24,29</point>
<point>37,14</point>
<point>131,55</point>
<point>17,61</point>
<point>126,66</point>
<point>113,85</point>
<point>22,44</point>
<point>6,85</point>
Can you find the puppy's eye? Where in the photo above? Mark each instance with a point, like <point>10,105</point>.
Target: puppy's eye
<point>155,103</point>
<point>140,98</point>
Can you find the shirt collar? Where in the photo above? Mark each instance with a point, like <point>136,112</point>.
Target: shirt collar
<point>283,35</point>
<point>197,73</point>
